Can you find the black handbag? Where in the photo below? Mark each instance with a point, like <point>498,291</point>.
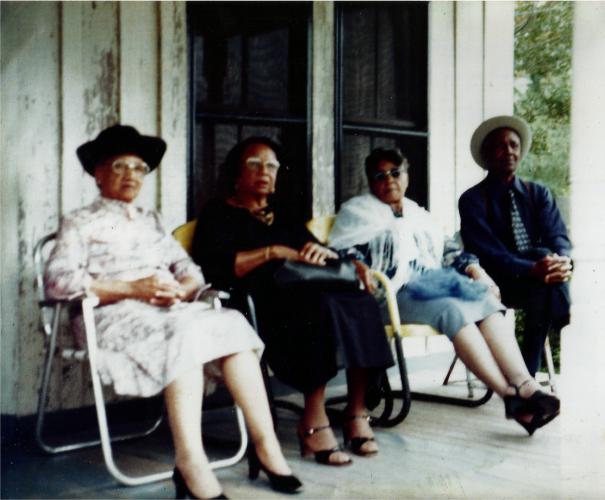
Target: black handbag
<point>336,275</point>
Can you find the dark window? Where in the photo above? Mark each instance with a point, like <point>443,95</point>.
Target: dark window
<point>381,90</point>
<point>248,64</point>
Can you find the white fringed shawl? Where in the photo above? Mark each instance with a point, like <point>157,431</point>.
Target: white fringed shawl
<point>393,241</point>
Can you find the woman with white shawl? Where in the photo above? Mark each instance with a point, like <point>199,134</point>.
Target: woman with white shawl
<point>437,284</point>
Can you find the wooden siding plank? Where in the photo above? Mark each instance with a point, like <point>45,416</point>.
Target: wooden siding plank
<point>90,88</point>
<point>30,155</point>
<point>498,58</point>
<point>442,192</point>
<point>173,77</point>
<point>469,89</point>
<point>139,77</point>
<point>91,102</point>
<point>323,109</point>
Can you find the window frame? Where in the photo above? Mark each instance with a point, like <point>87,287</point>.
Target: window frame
<point>240,119</point>
<point>341,125</point>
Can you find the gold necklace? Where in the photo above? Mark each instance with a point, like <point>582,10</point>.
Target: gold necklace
<point>264,214</point>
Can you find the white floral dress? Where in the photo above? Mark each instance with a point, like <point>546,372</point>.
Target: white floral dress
<point>142,348</point>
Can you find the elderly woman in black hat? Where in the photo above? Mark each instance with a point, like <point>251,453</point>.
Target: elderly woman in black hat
<point>151,335</point>
<point>516,230</point>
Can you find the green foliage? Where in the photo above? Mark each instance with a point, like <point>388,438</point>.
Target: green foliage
<point>543,37</point>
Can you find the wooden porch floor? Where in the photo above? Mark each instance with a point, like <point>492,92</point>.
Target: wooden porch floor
<point>439,451</point>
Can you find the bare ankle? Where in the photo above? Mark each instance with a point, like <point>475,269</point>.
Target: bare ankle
<point>355,411</point>
<point>525,386</point>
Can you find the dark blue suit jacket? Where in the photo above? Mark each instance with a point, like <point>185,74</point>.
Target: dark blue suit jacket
<point>486,228</point>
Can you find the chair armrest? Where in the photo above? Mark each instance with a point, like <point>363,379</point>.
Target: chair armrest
<point>54,302</point>
<point>93,300</point>
<point>214,297</point>
<point>81,300</point>
<point>391,299</point>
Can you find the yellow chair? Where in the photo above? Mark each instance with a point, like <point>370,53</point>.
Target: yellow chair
<point>184,235</point>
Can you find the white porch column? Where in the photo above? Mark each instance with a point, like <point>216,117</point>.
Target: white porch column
<point>583,342</point>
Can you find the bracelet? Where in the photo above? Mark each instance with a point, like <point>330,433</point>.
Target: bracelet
<point>267,252</point>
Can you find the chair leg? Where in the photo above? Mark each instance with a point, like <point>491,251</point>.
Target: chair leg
<point>269,389</point>
<point>468,402</point>
<point>43,396</point>
<point>243,446</point>
<point>469,383</point>
<point>51,347</point>
<point>263,364</point>
<point>550,365</point>
<point>104,429</point>
<point>91,340</point>
<point>404,394</point>
<point>451,369</point>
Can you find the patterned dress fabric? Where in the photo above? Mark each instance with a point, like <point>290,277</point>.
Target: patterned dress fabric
<point>142,347</point>
<point>522,241</point>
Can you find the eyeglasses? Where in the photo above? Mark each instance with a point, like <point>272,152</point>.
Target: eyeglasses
<point>395,173</point>
<point>139,168</point>
<point>256,164</point>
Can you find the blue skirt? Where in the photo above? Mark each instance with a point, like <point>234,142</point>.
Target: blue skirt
<point>445,314</point>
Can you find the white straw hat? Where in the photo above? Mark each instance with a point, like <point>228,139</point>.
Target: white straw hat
<point>517,124</point>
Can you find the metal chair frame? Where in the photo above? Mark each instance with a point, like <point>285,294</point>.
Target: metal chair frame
<point>384,419</point>
<point>397,331</point>
<point>50,328</point>
<point>320,227</point>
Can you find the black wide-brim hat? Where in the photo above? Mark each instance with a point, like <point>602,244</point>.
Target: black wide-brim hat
<point>121,139</point>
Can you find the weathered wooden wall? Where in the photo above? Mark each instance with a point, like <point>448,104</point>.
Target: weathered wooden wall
<point>69,70</point>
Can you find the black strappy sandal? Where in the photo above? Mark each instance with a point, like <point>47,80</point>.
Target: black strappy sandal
<point>321,456</point>
<point>356,443</point>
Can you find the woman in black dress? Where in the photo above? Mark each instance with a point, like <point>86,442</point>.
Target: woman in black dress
<point>240,242</point>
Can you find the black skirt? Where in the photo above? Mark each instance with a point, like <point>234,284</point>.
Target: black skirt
<point>310,335</point>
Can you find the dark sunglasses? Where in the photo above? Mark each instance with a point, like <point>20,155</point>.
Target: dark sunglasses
<point>381,176</point>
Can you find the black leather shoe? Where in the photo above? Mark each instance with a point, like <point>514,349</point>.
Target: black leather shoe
<point>182,490</point>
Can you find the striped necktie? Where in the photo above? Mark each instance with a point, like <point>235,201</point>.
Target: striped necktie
<point>522,241</point>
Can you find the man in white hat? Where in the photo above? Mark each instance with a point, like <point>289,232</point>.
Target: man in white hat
<point>516,230</point>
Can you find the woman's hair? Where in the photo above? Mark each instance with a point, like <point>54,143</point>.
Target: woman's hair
<point>233,161</point>
<point>377,155</point>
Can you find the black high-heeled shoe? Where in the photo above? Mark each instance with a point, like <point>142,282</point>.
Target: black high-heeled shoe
<point>279,482</point>
<point>183,491</point>
<point>542,406</point>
